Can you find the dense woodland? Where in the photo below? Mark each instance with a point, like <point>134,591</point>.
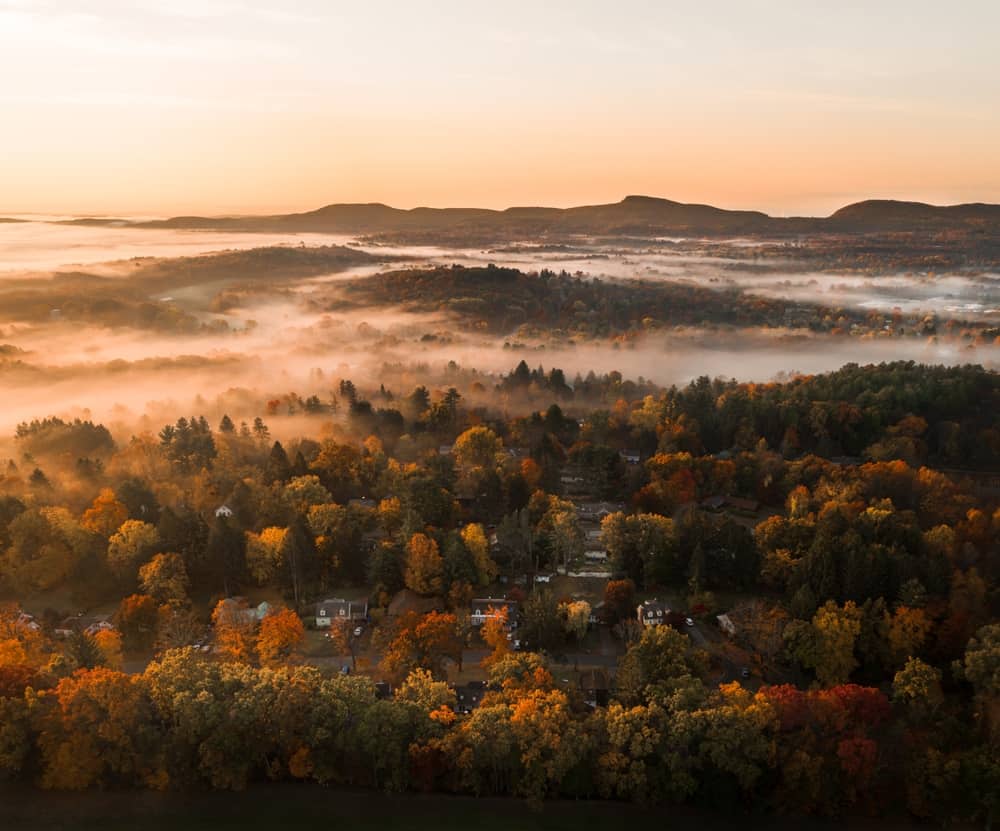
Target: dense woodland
<point>864,588</point>
<point>549,304</point>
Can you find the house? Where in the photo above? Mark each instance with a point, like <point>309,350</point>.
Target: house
<point>67,627</point>
<point>544,578</point>
<point>595,555</point>
<point>713,503</point>
<point>653,613</point>
<point>224,511</point>
<point>596,511</point>
<point>630,457</point>
<point>595,687</point>
<point>249,614</point>
<point>99,626</point>
<point>726,624</point>
<point>327,611</point>
<point>446,449</point>
<point>483,608</point>
<point>26,621</point>
<point>468,696</point>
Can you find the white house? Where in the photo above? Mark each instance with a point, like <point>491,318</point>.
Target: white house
<point>652,613</point>
<point>482,609</point>
<point>327,611</point>
<point>726,624</point>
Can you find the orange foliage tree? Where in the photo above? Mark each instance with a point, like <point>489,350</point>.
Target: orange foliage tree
<point>422,643</point>
<point>494,632</point>
<point>235,628</point>
<point>280,637</point>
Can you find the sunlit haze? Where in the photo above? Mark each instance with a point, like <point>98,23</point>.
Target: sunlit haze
<point>129,106</point>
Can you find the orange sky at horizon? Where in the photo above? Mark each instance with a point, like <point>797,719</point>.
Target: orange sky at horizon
<point>250,106</point>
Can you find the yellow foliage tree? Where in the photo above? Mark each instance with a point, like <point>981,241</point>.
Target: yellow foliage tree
<point>264,558</point>
<point>424,565</point>
<point>110,643</point>
<point>165,578</point>
<point>129,544</point>
<point>908,630</point>
<point>474,538</point>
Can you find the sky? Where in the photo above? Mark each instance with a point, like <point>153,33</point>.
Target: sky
<point>159,107</point>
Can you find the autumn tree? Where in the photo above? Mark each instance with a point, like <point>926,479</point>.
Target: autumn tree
<point>137,619</point>
<point>280,637</point>
<point>918,686</point>
<point>177,626</point>
<point>422,642</point>
<point>826,645</point>
<point>477,447</point>
<point>303,492</point>
<point>908,630</point>
<point>619,600</point>
<point>657,667</point>
<point>421,688</point>
<point>105,515</point>
<point>165,578</point>
<point>263,554</point>
<point>474,539</point>
<point>130,545</point>
<point>96,728</point>
<point>235,630</point>
<point>494,634</point>
<point>424,566</point>
<point>109,642</point>
<point>561,529</point>
<point>46,545</point>
<point>576,616</point>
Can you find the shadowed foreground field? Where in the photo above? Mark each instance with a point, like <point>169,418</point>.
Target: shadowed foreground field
<point>286,806</point>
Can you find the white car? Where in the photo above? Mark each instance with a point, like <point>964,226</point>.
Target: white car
<point>357,631</point>
<point>689,621</point>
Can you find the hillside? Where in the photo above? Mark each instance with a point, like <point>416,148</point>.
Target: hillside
<point>634,215</point>
<point>879,214</point>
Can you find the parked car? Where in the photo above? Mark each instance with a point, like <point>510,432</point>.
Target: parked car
<point>357,631</point>
<point>745,672</point>
<point>689,621</point>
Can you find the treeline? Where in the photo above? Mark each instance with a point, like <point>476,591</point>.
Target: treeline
<point>560,305</point>
<point>902,410</point>
<point>84,297</point>
<point>502,299</point>
<point>188,721</point>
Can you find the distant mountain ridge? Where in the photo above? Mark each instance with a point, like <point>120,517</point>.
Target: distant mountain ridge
<point>639,215</point>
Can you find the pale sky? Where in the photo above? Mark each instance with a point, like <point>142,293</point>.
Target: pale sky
<point>211,106</point>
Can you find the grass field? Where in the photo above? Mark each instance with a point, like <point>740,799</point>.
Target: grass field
<point>287,806</point>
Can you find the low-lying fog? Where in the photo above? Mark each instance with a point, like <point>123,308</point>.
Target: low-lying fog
<point>143,379</point>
